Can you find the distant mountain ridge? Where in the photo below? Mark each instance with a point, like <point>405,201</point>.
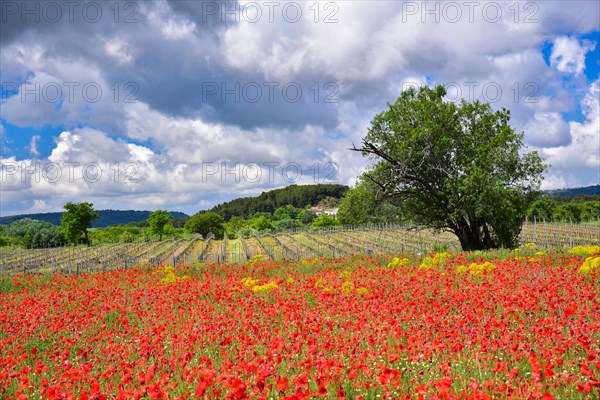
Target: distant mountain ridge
<point>573,192</point>
<point>107,217</point>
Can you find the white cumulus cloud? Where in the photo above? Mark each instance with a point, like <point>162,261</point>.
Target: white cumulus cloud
<point>568,54</point>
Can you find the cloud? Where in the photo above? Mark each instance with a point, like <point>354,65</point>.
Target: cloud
<point>205,166</point>
<point>568,54</point>
<point>579,161</point>
<point>548,130</point>
<point>33,149</point>
<point>192,85</point>
<point>120,50</point>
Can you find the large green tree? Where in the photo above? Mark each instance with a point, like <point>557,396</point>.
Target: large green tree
<point>76,221</point>
<point>454,166</point>
<point>206,222</point>
<point>157,221</point>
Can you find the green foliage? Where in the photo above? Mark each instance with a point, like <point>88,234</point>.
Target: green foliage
<point>542,209</point>
<point>452,166</point>
<point>361,205</point>
<point>286,212</point>
<point>590,211</point>
<point>235,225</point>
<point>324,220</point>
<point>76,221</point>
<point>288,224</point>
<point>32,233</point>
<point>4,241</point>
<point>358,204</point>
<point>558,209</point>
<point>206,222</point>
<point>568,213</point>
<point>306,217</point>
<point>261,223</point>
<point>158,220</point>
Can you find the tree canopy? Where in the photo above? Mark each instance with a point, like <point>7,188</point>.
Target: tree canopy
<point>32,233</point>
<point>157,221</point>
<point>76,221</point>
<point>206,222</point>
<point>453,166</point>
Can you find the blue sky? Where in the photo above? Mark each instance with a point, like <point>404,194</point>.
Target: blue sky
<point>185,104</point>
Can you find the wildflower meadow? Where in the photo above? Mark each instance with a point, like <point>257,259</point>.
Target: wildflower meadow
<point>481,325</point>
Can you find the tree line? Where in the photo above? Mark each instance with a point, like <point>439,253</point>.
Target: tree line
<point>77,221</point>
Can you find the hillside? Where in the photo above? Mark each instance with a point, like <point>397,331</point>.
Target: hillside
<point>299,196</point>
<point>574,192</point>
<point>107,217</point>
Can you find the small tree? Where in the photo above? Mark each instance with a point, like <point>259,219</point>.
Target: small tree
<point>235,225</point>
<point>324,220</point>
<point>286,212</point>
<point>306,216</point>
<point>157,221</point>
<point>261,223</point>
<point>76,221</point>
<point>455,167</point>
<point>203,223</point>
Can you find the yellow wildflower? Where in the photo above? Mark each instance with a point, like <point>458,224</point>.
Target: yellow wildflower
<point>585,251</point>
<point>434,261</point>
<point>476,269</point>
<point>320,283</point>
<point>590,265</point>
<point>345,274</point>
<point>249,282</point>
<point>265,288</point>
<point>347,287</point>
<point>398,262</point>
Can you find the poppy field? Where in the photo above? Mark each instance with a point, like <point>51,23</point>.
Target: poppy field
<point>483,325</point>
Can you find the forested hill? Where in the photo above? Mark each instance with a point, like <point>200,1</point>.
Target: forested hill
<point>107,217</point>
<point>574,192</point>
<point>299,196</point>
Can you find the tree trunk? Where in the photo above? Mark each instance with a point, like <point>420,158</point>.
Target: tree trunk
<point>87,239</point>
<point>473,235</point>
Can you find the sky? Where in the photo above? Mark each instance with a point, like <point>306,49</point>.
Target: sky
<point>182,105</point>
